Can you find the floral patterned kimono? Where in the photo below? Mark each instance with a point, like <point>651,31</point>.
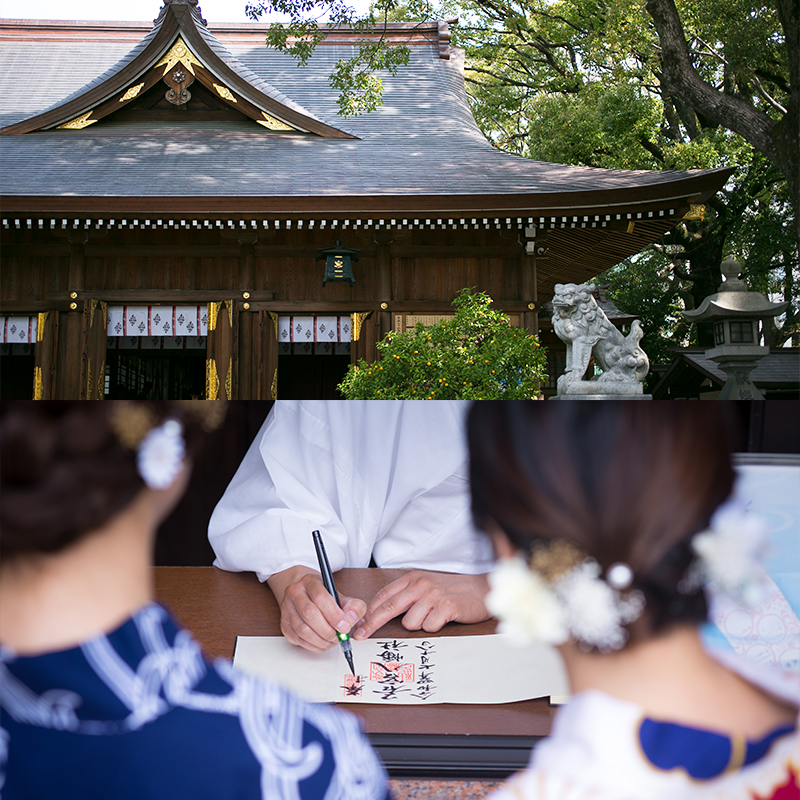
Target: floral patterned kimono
<point>604,748</point>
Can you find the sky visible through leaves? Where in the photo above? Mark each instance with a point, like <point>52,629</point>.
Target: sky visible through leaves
<point>214,11</point>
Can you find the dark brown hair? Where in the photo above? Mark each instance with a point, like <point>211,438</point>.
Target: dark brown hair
<point>626,482</point>
<point>63,471</point>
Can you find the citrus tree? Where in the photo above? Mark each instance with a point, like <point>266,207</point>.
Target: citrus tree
<point>475,355</point>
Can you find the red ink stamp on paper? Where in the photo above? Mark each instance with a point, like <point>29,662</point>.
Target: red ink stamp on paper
<point>398,672</point>
<point>353,685</point>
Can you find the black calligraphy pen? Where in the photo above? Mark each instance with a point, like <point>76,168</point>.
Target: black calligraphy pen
<point>327,579</point>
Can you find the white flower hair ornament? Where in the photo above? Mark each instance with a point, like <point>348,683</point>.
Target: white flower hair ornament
<point>729,554</point>
<point>160,455</point>
<point>562,596</point>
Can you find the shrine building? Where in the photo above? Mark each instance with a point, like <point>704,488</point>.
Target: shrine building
<point>184,213</point>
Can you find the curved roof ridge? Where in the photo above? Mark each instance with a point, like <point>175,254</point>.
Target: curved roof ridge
<point>248,75</point>
<point>109,73</point>
<point>179,21</point>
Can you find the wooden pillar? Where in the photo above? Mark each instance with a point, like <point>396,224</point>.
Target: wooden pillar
<point>77,260</point>
<point>247,260</point>
<point>44,370</point>
<point>383,269</point>
<point>95,326</point>
<point>69,356</point>
<point>246,367</point>
<point>267,355</point>
<point>530,292</point>
<point>220,372</point>
<point>364,334</point>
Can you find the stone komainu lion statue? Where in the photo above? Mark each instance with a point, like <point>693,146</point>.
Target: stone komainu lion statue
<point>583,326</point>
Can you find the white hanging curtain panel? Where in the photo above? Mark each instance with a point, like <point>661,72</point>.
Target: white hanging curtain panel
<point>18,330</point>
<point>314,335</point>
<point>152,321</point>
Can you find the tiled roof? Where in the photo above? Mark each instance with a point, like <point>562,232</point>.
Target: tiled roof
<point>780,368</point>
<point>423,141</point>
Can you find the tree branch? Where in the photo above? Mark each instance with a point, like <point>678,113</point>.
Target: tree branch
<point>682,79</point>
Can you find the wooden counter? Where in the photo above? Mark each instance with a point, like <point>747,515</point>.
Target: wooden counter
<point>446,740</point>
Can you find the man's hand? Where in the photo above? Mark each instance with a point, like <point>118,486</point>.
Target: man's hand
<point>310,617</point>
<point>429,600</point>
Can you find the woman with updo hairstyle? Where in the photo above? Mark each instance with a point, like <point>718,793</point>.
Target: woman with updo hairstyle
<point>608,520</point>
<point>102,694</point>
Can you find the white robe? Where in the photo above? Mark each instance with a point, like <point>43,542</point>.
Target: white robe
<point>385,479</point>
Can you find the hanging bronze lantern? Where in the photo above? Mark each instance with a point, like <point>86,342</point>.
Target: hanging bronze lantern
<point>338,263</point>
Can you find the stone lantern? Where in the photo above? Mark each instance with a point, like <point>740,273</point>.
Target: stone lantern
<point>736,312</point>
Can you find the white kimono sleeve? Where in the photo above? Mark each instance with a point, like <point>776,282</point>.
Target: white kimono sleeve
<point>384,479</point>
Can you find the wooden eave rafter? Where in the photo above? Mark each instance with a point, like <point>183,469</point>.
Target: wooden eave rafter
<point>143,72</point>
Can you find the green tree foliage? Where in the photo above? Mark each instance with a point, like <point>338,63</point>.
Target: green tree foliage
<point>356,79</point>
<point>475,355</point>
<point>580,82</point>
<point>628,84</point>
<point>648,285</point>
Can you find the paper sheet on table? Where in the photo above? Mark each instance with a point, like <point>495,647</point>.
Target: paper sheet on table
<point>447,669</point>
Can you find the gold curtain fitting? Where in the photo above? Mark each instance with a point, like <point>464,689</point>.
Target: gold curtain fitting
<point>213,310</point>
<point>229,304</point>
<point>274,318</point>
<point>356,321</point>
<point>40,323</point>
<point>88,379</point>
<point>273,389</point>
<point>212,380</point>
<point>229,381</point>
<point>37,383</point>
<point>101,381</point>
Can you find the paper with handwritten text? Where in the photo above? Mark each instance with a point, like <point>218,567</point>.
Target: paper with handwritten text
<point>438,669</point>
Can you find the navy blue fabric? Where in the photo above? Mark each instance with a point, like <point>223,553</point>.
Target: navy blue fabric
<point>701,753</point>
<point>758,749</point>
<point>183,752</point>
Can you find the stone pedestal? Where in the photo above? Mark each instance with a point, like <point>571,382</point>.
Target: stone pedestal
<point>596,390</point>
<point>737,362</point>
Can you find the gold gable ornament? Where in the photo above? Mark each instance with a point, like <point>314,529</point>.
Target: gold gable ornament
<point>179,54</point>
<point>132,92</point>
<point>273,124</point>
<point>224,92</point>
<point>78,123</point>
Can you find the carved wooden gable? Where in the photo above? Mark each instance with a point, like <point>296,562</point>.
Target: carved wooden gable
<point>179,72</point>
